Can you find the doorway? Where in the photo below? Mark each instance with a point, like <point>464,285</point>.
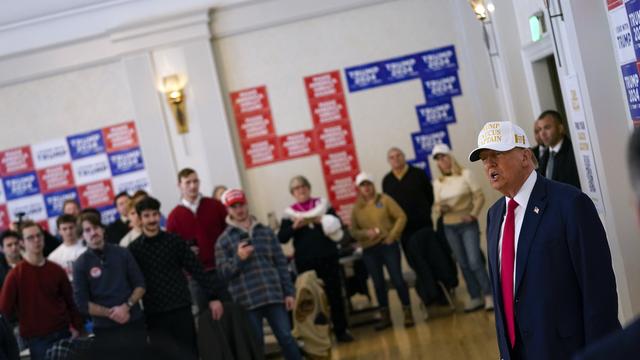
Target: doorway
<point>547,82</point>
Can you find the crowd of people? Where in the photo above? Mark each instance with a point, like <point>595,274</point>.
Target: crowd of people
<point>138,282</point>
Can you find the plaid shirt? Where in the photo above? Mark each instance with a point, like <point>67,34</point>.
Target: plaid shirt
<point>262,278</point>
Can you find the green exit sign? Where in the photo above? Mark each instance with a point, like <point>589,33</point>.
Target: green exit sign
<point>537,26</point>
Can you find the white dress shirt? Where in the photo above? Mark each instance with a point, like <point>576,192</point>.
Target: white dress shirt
<point>557,148</point>
<point>522,198</point>
<point>193,206</point>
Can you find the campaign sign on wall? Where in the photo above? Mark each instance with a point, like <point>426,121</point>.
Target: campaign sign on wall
<point>87,167</point>
<point>120,137</point>
<point>297,144</point>
<point>633,12</point>
<point>18,186</point>
<point>55,178</point>
<point>632,87</point>
<point>424,141</point>
<point>340,162</point>
<point>435,113</point>
<point>15,161</point>
<point>55,200</point>
<point>327,111</point>
<point>439,59</point>
<point>260,152</point>
<point>402,68</point>
<point>87,144</point>
<point>621,32</point>
<point>334,137</point>
<point>441,85</point>
<point>126,161</point>
<point>323,85</point>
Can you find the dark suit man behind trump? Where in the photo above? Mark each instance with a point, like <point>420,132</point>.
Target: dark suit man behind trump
<point>549,260</point>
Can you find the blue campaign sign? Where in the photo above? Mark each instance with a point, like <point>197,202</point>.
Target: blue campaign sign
<point>108,214</point>
<point>633,12</point>
<point>127,161</point>
<point>631,85</point>
<point>366,76</point>
<point>54,201</point>
<point>436,112</point>
<point>425,140</point>
<point>401,69</point>
<point>421,164</point>
<point>86,144</point>
<point>19,186</point>
<point>441,84</point>
<point>439,59</point>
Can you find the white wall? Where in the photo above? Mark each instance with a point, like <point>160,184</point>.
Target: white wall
<point>280,55</point>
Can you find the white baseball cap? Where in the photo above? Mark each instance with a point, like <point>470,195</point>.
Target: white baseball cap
<point>332,227</point>
<point>440,149</point>
<point>499,136</point>
<point>362,177</point>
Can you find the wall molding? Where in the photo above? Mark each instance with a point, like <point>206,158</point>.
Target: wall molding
<point>256,15</point>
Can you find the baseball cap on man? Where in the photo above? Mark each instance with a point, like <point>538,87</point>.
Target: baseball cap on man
<point>233,196</point>
<point>499,136</point>
<point>362,177</point>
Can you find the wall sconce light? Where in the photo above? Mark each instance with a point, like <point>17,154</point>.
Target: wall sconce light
<point>173,87</point>
<point>479,9</point>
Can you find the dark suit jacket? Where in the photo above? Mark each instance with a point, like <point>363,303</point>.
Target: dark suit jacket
<point>624,344</point>
<point>536,152</point>
<point>564,168</point>
<point>565,290</point>
<point>116,231</point>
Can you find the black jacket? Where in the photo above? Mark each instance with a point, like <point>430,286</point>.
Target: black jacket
<point>564,168</point>
<point>414,194</point>
<point>116,231</point>
<point>309,241</point>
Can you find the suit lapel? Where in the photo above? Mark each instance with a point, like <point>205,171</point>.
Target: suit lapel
<point>532,216</point>
<point>493,240</point>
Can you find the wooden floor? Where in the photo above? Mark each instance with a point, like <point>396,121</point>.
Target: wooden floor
<point>442,336</point>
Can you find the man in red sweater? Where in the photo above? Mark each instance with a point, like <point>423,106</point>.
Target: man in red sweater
<point>40,292</point>
<point>199,220</point>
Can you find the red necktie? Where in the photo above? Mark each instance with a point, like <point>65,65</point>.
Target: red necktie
<point>506,269</point>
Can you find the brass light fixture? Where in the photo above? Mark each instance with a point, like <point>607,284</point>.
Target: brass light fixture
<point>173,87</point>
<point>479,9</point>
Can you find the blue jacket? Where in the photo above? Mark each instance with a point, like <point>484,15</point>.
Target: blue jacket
<point>623,344</point>
<point>565,291</point>
<point>261,279</point>
<point>106,281</point>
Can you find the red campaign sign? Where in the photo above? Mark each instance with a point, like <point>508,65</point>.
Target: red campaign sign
<point>96,194</point>
<point>340,162</point>
<point>121,136</point>
<point>261,152</point>
<point>329,110</point>
<point>344,211</point>
<point>4,218</point>
<point>334,137</point>
<point>323,85</point>
<point>55,178</point>
<point>342,189</point>
<point>15,161</point>
<point>255,126</point>
<point>297,144</point>
<point>612,4</point>
<point>250,100</point>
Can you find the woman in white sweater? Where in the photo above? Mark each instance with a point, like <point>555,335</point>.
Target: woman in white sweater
<point>459,199</point>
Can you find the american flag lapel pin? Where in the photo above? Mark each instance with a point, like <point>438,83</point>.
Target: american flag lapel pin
<point>536,210</point>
